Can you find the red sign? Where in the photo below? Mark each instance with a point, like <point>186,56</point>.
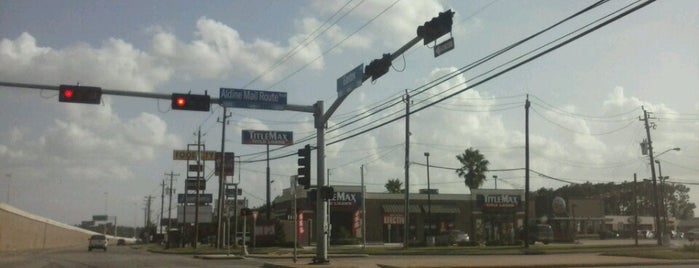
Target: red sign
<point>393,219</point>
<point>356,222</point>
<point>301,230</point>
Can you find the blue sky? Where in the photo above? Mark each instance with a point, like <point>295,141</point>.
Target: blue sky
<point>586,97</point>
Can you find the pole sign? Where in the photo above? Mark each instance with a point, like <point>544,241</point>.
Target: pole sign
<point>229,164</point>
<point>192,198</point>
<point>252,99</point>
<point>444,47</point>
<point>192,155</point>
<point>99,217</point>
<point>268,137</point>
<point>351,80</point>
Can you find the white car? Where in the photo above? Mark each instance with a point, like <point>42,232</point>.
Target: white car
<point>97,241</point>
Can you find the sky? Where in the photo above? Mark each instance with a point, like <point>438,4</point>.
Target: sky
<point>68,161</point>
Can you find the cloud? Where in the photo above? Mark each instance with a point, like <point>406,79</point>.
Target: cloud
<point>115,64</point>
<point>103,147</point>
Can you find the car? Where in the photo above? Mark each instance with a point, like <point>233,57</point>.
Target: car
<point>539,232</point>
<point>97,241</point>
<point>691,235</point>
<point>121,242</point>
<point>452,237</point>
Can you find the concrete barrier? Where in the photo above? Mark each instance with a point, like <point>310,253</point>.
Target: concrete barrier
<point>20,230</point>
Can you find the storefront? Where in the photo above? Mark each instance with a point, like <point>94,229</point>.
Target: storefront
<point>498,215</point>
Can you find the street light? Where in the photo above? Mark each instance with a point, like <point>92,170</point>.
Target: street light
<point>662,186</point>
<point>657,205</point>
<point>429,195</point>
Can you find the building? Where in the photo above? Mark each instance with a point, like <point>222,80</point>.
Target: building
<point>485,214</point>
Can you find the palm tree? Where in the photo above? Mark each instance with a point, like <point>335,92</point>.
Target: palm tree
<point>474,166</point>
<point>393,186</point>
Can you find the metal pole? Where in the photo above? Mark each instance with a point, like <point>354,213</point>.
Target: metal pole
<point>295,217</point>
<point>406,228</point>
<point>363,210</point>
<point>429,197</point>
<point>221,179</point>
<point>196,199</point>
<point>321,205</point>
<point>526,173</point>
<point>269,185</point>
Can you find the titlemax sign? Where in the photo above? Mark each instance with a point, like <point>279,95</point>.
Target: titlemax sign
<point>498,201</point>
<point>268,137</point>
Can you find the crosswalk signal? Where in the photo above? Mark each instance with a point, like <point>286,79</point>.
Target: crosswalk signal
<point>304,170</point>
<point>191,102</point>
<point>79,94</point>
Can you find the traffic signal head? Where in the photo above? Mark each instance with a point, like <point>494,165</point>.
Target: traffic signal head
<point>304,170</point>
<point>191,102</point>
<point>436,27</point>
<point>79,94</point>
<point>378,67</point>
<point>327,192</point>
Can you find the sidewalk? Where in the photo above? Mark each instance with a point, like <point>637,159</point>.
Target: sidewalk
<point>552,260</point>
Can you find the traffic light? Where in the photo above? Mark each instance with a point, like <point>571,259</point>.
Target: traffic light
<point>191,102</point>
<point>378,67</point>
<point>304,171</point>
<point>327,192</point>
<point>79,94</point>
<point>436,27</point>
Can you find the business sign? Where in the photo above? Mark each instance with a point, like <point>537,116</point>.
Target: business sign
<point>351,80</point>
<point>228,166</point>
<point>230,193</point>
<point>444,47</point>
<point>192,155</point>
<point>252,99</point>
<point>346,199</point>
<point>498,201</point>
<point>391,218</point>
<point>205,214</point>
<point>191,198</point>
<point>268,137</point>
<point>191,184</point>
<point>99,217</point>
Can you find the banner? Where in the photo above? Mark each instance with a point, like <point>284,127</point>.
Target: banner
<point>301,230</point>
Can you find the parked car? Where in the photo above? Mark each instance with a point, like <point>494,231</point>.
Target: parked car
<point>97,241</point>
<point>691,235</point>
<point>539,232</point>
<point>452,237</point>
<point>121,242</point>
<point>647,234</point>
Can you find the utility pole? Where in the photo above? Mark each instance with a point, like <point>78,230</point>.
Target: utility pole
<point>162,205</point>
<point>222,178</point>
<point>148,211</point>
<point>635,211</point>
<point>361,169</point>
<point>406,228</point>
<point>169,204</point>
<point>196,197</point>
<point>527,104</point>
<point>652,170</point>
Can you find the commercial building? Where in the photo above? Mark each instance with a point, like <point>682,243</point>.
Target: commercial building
<point>485,214</point>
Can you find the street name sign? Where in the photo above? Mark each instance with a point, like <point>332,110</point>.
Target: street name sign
<point>268,137</point>
<point>252,99</point>
<point>444,47</point>
<point>351,80</point>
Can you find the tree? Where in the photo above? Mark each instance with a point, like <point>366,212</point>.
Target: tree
<point>473,168</point>
<point>393,186</point>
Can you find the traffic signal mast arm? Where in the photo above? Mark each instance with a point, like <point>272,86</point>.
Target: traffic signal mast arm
<point>430,31</point>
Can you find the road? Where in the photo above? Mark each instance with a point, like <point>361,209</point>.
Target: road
<point>126,256</point>
<point>115,256</point>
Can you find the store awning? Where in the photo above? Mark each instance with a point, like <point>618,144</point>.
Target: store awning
<point>399,209</point>
<point>443,209</point>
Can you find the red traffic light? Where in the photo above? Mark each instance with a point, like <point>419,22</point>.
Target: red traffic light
<point>68,93</point>
<point>191,102</point>
<point>79,94</point>
<point>180,102</point>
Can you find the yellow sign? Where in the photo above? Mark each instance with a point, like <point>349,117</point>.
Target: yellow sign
<point>192,155</point>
